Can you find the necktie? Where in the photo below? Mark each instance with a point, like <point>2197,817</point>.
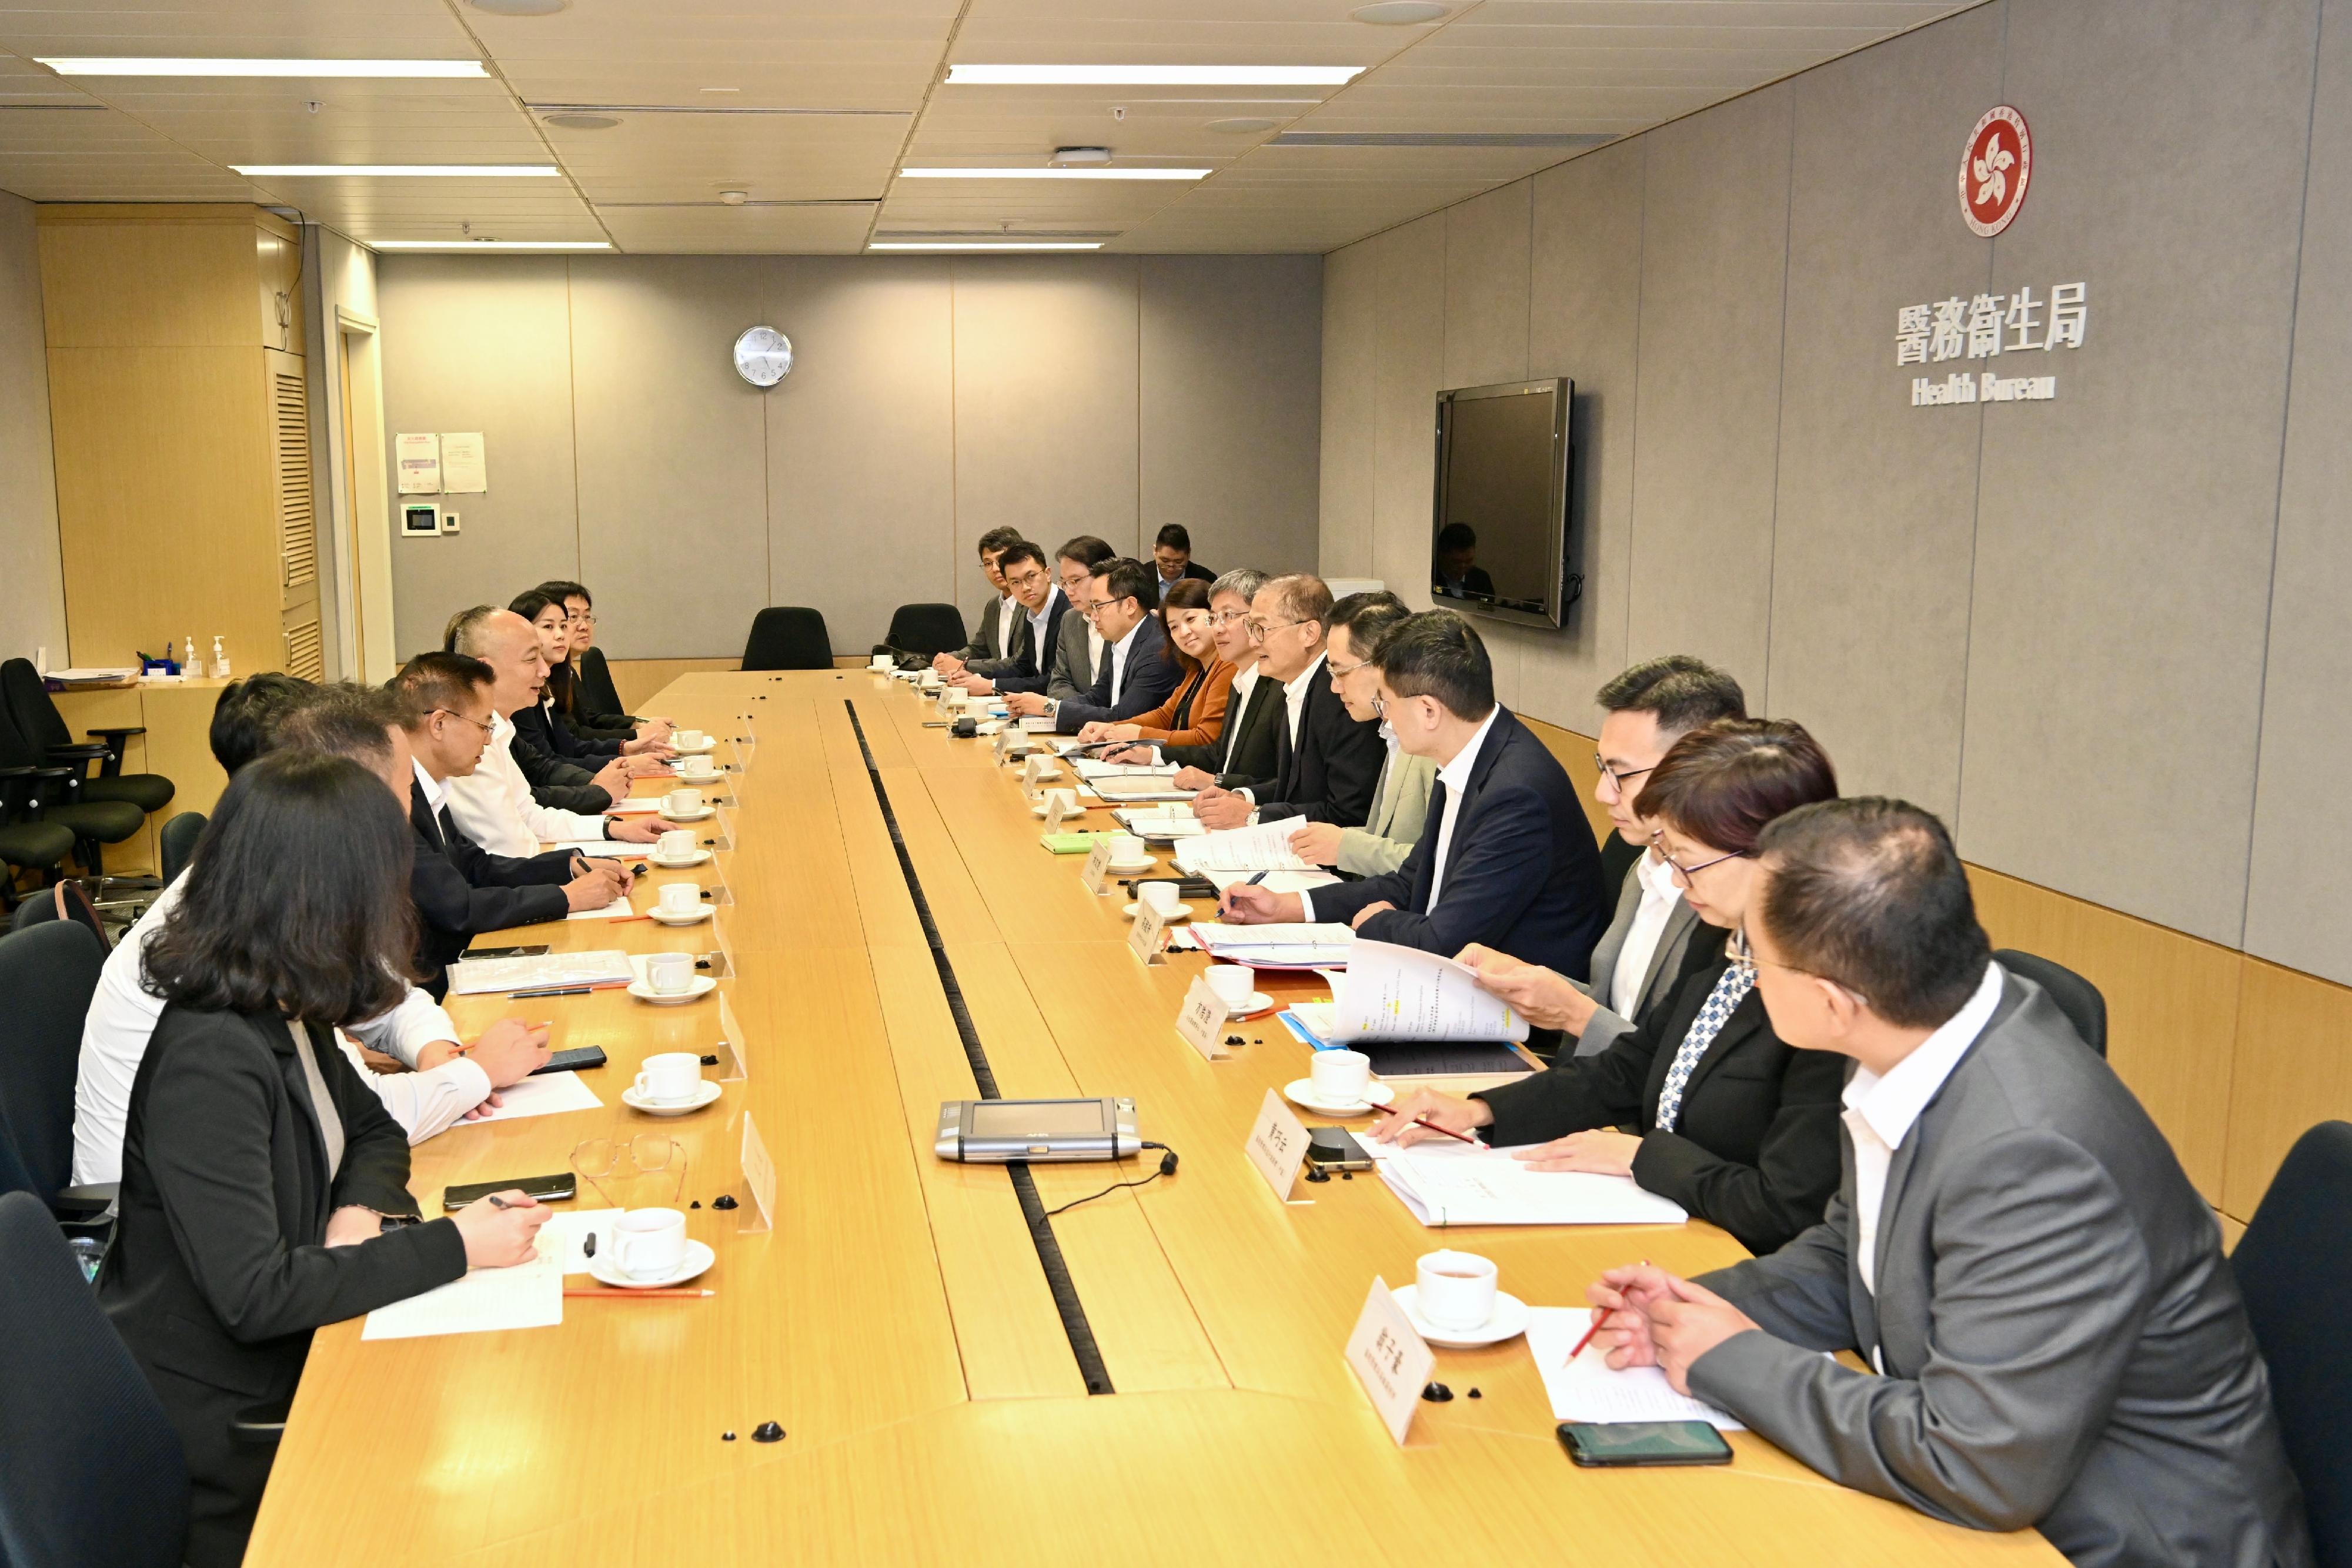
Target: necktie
<point>1730,991</point>
<point>448,828</point>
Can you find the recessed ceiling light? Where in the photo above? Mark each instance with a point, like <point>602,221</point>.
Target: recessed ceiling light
<point>1095,173</point>
<point>580,122</point>
<point>519,7</point>
<point>719,89</point>
<point>1385,14</point>
<point>941,245</point>
<point>962,74</point>
<point>164,66</point>
<point>489,244</point>
<point>396,171</point>
<point>1245,126</point>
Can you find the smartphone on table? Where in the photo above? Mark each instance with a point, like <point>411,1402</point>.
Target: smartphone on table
<point>1597,1445</point>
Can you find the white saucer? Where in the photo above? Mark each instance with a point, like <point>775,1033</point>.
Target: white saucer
<point>698,1257</point>
<point>1181,912</point>
<point>705,1093</point>
<point>703,986</point>
<point>706,812</point>
<point>1128,868</point>
<point>696,858</point>
<point>1047,775</point>
<point>700,911</point>
<point>713,777</point>
<point>705,749</point>
<point>1071,815</point>
<point>1301,1091</point>
<point>1258,1003</point>
<point>1511,1319</point>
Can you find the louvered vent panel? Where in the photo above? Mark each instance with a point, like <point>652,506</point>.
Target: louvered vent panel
<point>298,527</point>
<point>304,656</point>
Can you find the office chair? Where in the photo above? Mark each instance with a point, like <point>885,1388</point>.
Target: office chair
<point>48,973</point>
<point>923,629</point>
<point>65,901</point>
<point>27,842</point>
<point>177,842</point>
<point>2296,1276</point>
<point>38,720</point>
<point>95,1473</point>
<point>788,637</point>
<point>2079,999</point>
<point>59,790</point>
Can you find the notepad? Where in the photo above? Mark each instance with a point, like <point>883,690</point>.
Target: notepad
<point>619,909</point>
<point>527,1296</point>
<point>1091,767</point>
<point>1069,843</point>
<point>1264,847</point>
<point>475,976</point>
<point>541,1094</point>
<point>1446,1183</point>
<point>1142,787</point>
<point>1587,1390</point>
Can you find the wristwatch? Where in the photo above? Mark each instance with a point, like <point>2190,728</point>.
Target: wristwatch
<point>392,1222</point>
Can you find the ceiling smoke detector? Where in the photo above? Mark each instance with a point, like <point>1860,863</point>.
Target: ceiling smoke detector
<point>1079,158</point>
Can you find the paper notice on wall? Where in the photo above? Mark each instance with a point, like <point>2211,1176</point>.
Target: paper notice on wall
<point>419,457</point>
<point>465,465</point>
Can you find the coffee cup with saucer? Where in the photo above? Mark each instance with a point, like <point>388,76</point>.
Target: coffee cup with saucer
<point>1455,1301</point>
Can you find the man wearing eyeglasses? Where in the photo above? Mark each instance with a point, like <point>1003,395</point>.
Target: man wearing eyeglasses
<point>1327,762</point>
<point>1137,675</point>
<point>1036,628</point>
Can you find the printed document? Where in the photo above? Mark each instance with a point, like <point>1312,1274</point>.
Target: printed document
<point>1402,993</point>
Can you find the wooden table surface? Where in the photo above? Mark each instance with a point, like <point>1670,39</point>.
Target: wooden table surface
<point>898,1322</point>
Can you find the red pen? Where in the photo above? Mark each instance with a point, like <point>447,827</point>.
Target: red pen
<point>1600,1316</point>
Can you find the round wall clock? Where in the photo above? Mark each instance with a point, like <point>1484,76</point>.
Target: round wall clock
<point>763,356</point>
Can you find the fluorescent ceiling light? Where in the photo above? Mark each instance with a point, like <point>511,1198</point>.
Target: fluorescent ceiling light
<point>169,66</point>
<point>1092,173</point>
<point>395,171</point>
<point>1152,75</point>
<point>942,245</point>
<point>489,244</point>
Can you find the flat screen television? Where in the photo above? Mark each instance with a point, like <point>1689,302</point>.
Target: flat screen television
<point>1500,532</point>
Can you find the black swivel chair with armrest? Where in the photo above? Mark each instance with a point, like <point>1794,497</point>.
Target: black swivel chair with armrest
<point>38,720</point>
<point>788,637</point>
<point>2079,999</point>
<point>177,842</point>
<point>65,901</point>
<point>920,631</point>
<point>58,787</point>
<point>95,1472</point>
<point>26,841</point>
<point>48,972</point>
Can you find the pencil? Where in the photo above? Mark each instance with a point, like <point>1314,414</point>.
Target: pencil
<point>1457,1137</point>
<point>1600,1316</point>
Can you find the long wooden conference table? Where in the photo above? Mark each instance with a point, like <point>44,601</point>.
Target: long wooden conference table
<point>897,1322</point>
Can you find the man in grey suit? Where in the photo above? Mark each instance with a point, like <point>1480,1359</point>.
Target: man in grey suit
<point>2014,1247</point>
<point>1068,670</point>
<point>993,640</point>
<point>1401,797</point>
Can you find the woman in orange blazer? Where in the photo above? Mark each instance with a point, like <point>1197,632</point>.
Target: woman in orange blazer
<point>1195,713</point>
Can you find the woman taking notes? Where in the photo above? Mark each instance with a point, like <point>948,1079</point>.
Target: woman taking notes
<point>258,1173</point>
<point>1195,713</point>
<point>1735,1126</point>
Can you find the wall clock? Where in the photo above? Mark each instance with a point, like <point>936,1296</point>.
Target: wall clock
<point>763,356</point>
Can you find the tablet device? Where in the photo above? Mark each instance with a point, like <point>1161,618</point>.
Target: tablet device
<point>999,1132</point>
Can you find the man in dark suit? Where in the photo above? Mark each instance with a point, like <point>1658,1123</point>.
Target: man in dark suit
<point>993,639</point>
<point>460,889</point>
<point>1172,554</point>
<point>1039,605</point>
<point>1136,676</point>
<point>1327,762</point>
<point>1245,749</point>
<point>1506,856</point>
<point>2058,1340</point>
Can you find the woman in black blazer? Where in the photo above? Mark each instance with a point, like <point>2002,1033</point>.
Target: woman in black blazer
<point>1735,1125</point>
<point>583,684</point>
<point>265,1188</point>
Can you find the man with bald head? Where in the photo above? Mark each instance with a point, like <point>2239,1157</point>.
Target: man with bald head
<point>494,806</point>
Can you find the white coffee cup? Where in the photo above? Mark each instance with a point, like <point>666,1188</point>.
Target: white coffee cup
<point>650,1243</point>
<point>1454,1289</point>
<point>1066,798</point>
<point>1162,895</point>
<point>682,803</point>
<point>687,739</point>
<point>1341,1075</point>
<point>676,844</point>
<point>1126,849</point>
<point>670,974</point>
<point>1233,983</point>
<point>675,1076</point>
<point>697,766</point>
<point>680,898</point>
<point>930,681</point>
<point>881,662</point>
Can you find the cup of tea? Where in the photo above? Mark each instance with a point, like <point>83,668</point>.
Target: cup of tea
<point>1341,1076</point>
<point>676,845</point>
<point>881,664</point>
<point>1454,1289</point>
<point>671,973</point>
<point>672,1078</point>
<point>682,803</point>
<point>1233,983</point>
<point>680,898</point>
<point>1126,849</point>
<point>650,1243</point>
<point>1161,895</point>
<point>687,739</point>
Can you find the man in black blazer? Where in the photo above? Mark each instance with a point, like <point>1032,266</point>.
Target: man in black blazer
<point>1039,605</point>
<point>1136,676</point>
<point>1172,556</point>
<point>1327,763</point>
<point>989,640</point>
<point>1507,857</point>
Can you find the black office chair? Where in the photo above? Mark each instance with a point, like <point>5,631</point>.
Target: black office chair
<point>788,637</point>
<point>65,901</point>
<point>26,841</point>
<point>48,973</point>
<point>95,1473</point>
<point>2079,999</point>
<point>2296,1276</point>
<point>38,720</point>
<point>58,787</point>
<point>177,842</point>
<point>923,629</point>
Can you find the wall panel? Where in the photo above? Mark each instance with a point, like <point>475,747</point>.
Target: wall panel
<point>1344,501</point>
<point>1409,350</point>
<point>29,560</point>
<point>2293,1069</point>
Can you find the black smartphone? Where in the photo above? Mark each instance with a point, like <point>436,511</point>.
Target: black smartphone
<point>522,950</point>
<point>546,1188</point>
<point>1606,1445</point>
<point>573,1059</point>
<point>1336,1149</point>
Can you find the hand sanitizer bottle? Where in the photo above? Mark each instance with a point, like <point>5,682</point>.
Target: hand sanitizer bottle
<point>188,666</point>
<point>220,659</point>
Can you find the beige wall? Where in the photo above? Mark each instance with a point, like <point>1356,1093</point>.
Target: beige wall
<point>933,399</point>
<point>29,561</point>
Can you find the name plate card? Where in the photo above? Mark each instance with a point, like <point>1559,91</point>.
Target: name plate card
<point>1277,1145</point>
<point>1059,803</point>
<point>760,1177</point>
<point>732,1056</point>
<point>1004,739</point>
<point>1149,933</point>
<point>1031,771</point>
<point>1390,1358</point>
<point>1097,867</point>
<point>1202,1020</point>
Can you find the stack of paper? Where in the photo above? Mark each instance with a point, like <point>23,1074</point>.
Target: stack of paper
<point>1585,1389</point>
<point>527,1296</point>
<point>541,1094</point>
<point>1295,946</point>
<point>1162,826</point>
<point>1093,767</point>
<point>1446,1183</point>
<point>619,909</point>
<point>473,977</point>
<point>1265,847</point>
<point>1140,787</point>
<point>1402,993</point>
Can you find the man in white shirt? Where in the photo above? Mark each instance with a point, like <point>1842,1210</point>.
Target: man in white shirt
<point>1137,675</point>
<point>2059,1341</point>
<point>1035,597</point>
<point>993,640</point>
<point>495,806</point>
<point>1327,762</point>
<point>1247,745</point>
<point>446,1082</point>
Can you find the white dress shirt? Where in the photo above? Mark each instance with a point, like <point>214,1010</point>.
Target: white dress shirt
<point>122,1014</point>
<point>494,807</point>
<point>1006,609</point>
<point>1659,896</point>
<point>1094,652</point>
<point>1236,703</point>
<point>437,793</point>
<point>1880,1112</point>
<point>1037,631</point>
<point>1456,777</point>
<point>1118,652</point>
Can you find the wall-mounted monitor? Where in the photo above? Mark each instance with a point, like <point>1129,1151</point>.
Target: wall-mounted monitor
<point>1500,530</point>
